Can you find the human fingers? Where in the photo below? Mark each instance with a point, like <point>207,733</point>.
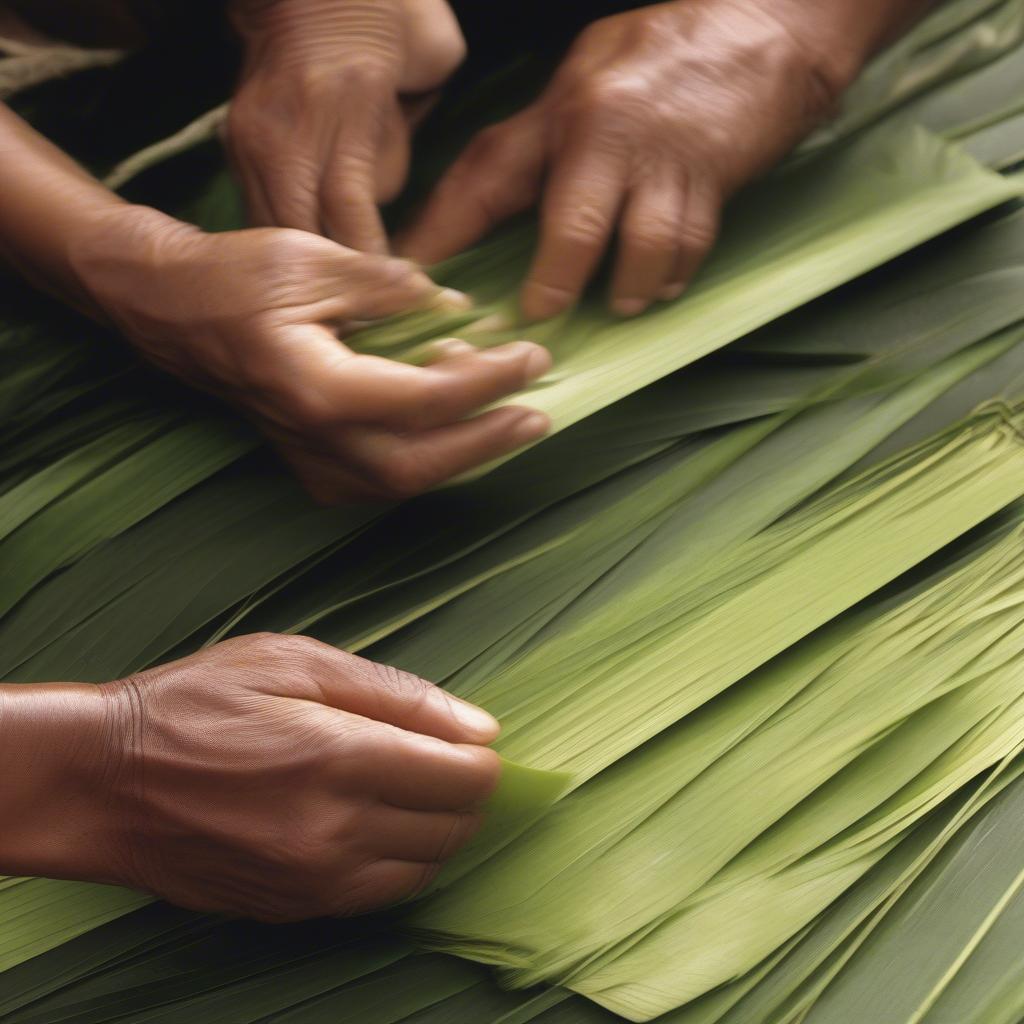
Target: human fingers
<point>581,202</point>
<point>497,176</point>
<point>423,836</point>
<point>650,233</point>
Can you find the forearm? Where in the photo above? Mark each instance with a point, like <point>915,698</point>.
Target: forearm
<point>296,31</point>
<point>50,807</point>
<point>53,215</point>
<point>418,40</point>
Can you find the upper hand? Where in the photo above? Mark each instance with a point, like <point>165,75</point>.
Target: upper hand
<point>254,317</point>
<point>319,129</point>
<point>269,776</point>
<point>653,120</point>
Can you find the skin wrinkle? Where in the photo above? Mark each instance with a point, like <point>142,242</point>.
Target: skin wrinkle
<point>123,774</point>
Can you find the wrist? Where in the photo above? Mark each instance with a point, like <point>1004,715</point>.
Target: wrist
<point>299,35</point>
<point>119,258</point>
<point>53,748</point>
<point>838,37</point>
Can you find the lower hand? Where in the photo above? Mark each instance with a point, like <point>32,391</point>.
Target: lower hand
<point>254,317</point>
<point>654,119</point>
<point>269,777</point>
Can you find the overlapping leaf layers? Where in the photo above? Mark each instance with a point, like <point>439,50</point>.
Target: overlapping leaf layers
<point>768,612</point>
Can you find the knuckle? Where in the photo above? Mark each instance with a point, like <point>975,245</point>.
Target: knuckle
<point>399,274</point>
<point>284,248</point>
<point>593,33</point>
<point>483,765</point>
<point>696,236</point>
<point>410,690</point>
<point>280,647</point>
<point>419,882</point>
<point>263,642</point>
<point>495,203</point>
<point>424,407</point>
<point>419,403</point>
<point>305,648</point>
<point>352,170</point>
<point>278,259</point>
<point>612,94</point>
<point>586,226</point>
<point>293,190</point>
<point>651,235</point>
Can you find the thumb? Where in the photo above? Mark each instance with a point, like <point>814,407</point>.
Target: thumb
<point>388,694</point>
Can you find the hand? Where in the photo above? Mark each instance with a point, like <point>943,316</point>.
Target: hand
<point>654,119</point>
<point>253,316</point>
<point>319,129</point>
<point>270,777</point>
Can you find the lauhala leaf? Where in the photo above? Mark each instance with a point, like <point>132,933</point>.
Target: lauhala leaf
<point>955,928</point>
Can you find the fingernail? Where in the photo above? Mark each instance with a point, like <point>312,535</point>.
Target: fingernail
<point>450,299</point>
<point>538,360</point>
<point>672,291</point>
<point>451,347</point>
<point>533,426</point>
<point>474,718</point>
<point>628,307</point>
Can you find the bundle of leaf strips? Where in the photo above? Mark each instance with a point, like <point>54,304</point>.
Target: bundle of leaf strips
<point>676,476</point>
<point>800,435</point>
